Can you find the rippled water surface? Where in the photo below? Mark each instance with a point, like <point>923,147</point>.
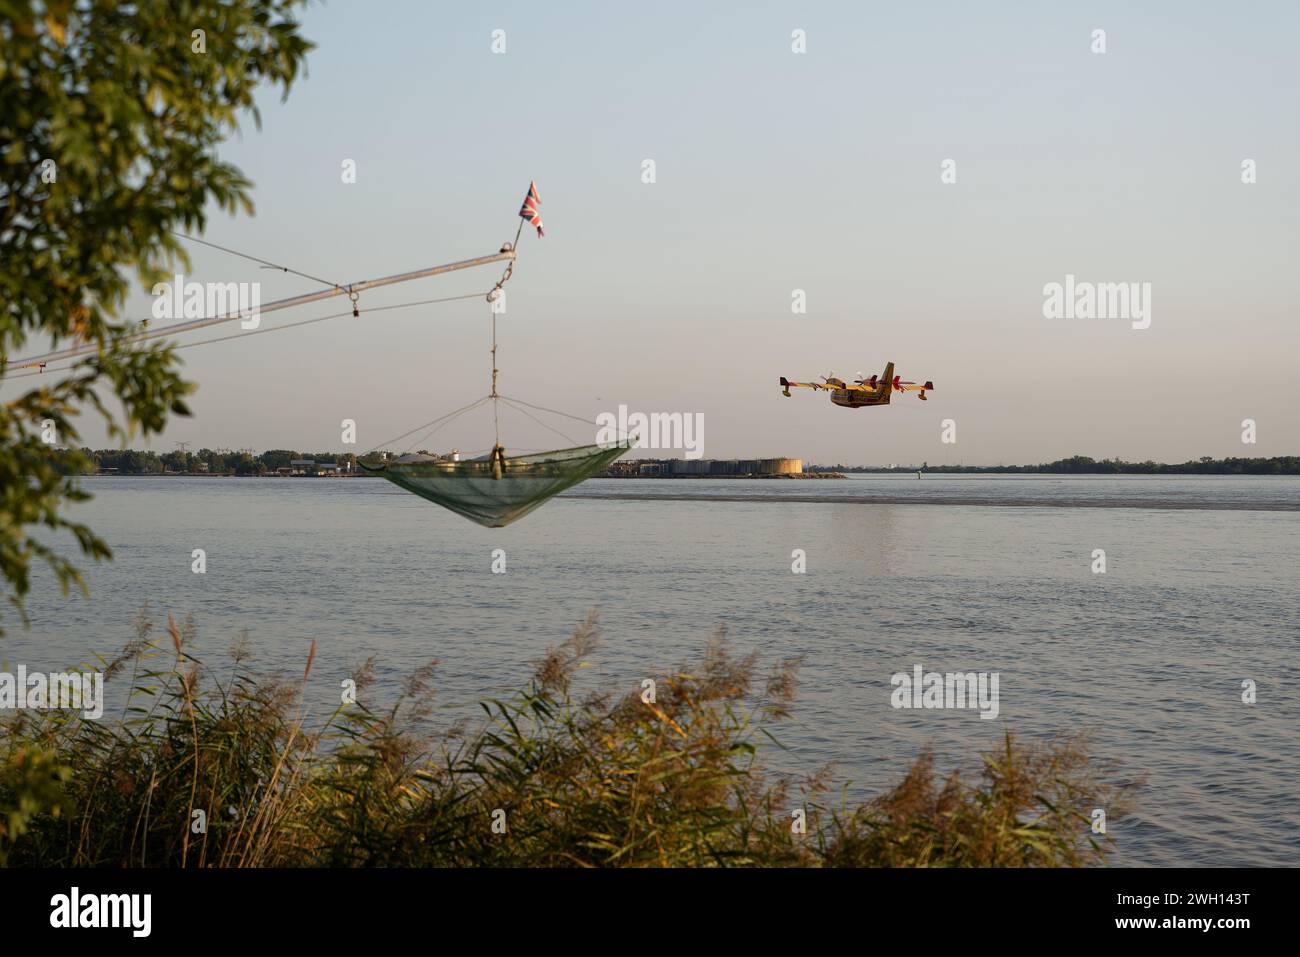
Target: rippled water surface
<point>952,573</point>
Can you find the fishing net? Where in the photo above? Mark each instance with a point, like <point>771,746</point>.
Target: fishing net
<point>496,489</point>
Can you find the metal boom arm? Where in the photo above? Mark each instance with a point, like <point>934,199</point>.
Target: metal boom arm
<point>347,290</point>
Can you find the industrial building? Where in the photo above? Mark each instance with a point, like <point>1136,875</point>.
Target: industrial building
<point>699,468</point>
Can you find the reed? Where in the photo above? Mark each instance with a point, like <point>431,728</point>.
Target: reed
<point>207,769</point>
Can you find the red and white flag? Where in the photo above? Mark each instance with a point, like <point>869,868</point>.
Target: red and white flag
<point>531,210</point>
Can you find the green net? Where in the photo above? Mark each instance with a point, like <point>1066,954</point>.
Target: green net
<point>496,493</point>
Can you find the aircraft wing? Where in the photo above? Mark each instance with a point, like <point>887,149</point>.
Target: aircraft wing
<point>787,385</point>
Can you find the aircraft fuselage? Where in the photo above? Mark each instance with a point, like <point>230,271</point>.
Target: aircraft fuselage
<point>856,399</point>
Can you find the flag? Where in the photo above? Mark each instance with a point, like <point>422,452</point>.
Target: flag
<point>531,210</point>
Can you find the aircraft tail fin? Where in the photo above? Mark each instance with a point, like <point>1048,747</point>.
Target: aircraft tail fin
<point>887,380</point>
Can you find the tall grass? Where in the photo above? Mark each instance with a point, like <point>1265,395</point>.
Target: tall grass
<point>208,771</point>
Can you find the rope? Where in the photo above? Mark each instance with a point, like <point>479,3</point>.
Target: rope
<point>577,418</point>
<point>566,438</point>
<point>258,332</point>
<point>428,435</point>
<point>493,295</point>
<point>496,411</point>
<point>337,315</point>
<point>542,408</point>
<point>450,415</point>
<point>270,265</point>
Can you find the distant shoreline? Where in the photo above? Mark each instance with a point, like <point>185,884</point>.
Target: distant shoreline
<point>896,473</point>
<point>1084,465</point>
<point>246,464</point>
<point>352,475</point>
<point>932,499</point>
<point>722,475</point>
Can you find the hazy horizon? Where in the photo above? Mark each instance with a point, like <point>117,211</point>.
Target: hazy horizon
<point>776,171</point>
<point>653,455</point>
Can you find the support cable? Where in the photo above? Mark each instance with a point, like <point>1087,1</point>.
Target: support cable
<point>258,332</point>
<point>263,262</point>
<point>450,415</point>
<point>523,411</point>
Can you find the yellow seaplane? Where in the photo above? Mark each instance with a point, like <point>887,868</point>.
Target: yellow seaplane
<point>861,392</point>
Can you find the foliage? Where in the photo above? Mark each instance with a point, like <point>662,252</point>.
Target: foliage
<point>590,781</point>
<point>110,116</point>
<point>205,461</point>
<point>31,780</point>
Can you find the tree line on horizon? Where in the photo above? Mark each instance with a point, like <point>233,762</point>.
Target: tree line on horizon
<point>246,463</point>
<point>1085,465</point>
<point>208,461</point>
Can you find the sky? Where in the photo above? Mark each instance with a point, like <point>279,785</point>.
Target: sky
<point>778,171</point>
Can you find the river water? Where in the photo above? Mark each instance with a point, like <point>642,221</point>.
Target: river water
<point>955,574</point>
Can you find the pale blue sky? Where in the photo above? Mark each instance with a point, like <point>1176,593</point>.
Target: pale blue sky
<point>779,171</point>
